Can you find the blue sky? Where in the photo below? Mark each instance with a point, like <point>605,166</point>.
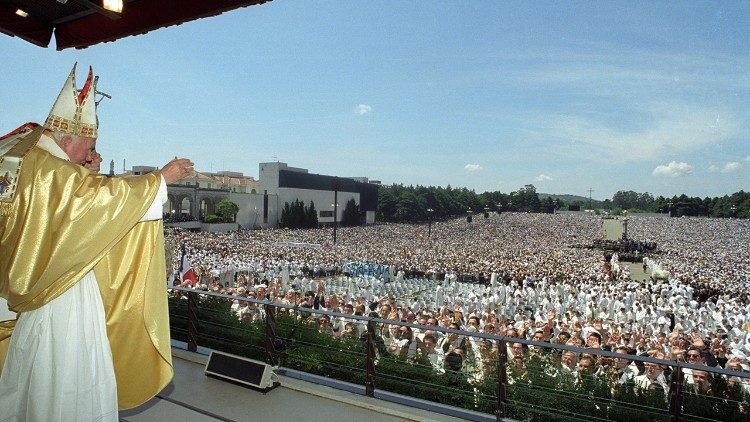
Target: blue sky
<point>568,96</point>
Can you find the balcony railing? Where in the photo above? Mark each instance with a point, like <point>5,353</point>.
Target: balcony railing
<point>491,378</point>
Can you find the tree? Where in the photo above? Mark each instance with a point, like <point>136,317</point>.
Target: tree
<point>526,199</point>
<point>286,216</point>
<point>350,216</point>
<point>386,202</point>
<point>548,205</point>
<point>297,216</point>
<point>410,208</point>
<point>625,199</point>
<point>633,200</point>
<point>227,210</point>
<point>399,203</point>
<point>311,216</point>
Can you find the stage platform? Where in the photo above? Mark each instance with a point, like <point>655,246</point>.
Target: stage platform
<point>194,397</point>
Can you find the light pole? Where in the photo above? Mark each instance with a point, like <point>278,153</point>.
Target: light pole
<point>670,208</point>
<point>499,208</point>
<point>486,211</point>
<point>733,208</point>
<point>335,206</point>
<point>429,222</point>
<point>468,215</point>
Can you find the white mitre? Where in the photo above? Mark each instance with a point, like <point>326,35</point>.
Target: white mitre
<point>75,112</point>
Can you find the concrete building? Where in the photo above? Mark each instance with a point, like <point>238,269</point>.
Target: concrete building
<point>260,202</point>
<point>329,193</point>
<point>199,195</point>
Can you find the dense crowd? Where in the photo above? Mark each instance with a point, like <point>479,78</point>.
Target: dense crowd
<point>516,274</point>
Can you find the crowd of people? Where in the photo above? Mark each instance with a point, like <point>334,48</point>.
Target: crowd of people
<point>514,274</point>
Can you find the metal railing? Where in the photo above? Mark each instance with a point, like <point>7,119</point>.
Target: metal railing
<point>530,388</point>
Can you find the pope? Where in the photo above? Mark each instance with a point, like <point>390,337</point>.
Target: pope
<point>82,265</point>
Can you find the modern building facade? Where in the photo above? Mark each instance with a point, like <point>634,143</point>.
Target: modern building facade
<point>329,194</point>
<point>260,202</point>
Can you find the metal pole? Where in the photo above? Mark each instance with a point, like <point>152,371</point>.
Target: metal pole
<point>335,213</point>
<point>370,370</point>
<point>675,395</point>
<point>502,380</point>
<point>271,358</point>
<point>192,340</point>
<point>335,207</point>
<point>429,222</point>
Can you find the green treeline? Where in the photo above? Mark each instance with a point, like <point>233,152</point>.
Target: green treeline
<point>399,203</point>
<point>734,205</point>
<point>409,204</point>
<point>296,215</point>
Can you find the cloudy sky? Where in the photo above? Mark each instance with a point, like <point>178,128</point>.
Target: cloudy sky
<point>608,96</point>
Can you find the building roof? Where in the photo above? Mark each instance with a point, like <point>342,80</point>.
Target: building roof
<point>82,23</point>
<point>224,180</point>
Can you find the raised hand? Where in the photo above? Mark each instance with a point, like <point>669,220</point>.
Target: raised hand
<point>177,169</point>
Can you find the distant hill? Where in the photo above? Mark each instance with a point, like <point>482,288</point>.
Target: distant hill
<point>570,198</point>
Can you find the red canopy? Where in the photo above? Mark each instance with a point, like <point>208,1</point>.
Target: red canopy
<point>81,23</point>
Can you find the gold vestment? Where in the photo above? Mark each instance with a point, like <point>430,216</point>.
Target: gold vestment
<point>64,221</point>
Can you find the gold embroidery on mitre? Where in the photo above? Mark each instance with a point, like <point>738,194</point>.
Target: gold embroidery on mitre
<point>72,112</point>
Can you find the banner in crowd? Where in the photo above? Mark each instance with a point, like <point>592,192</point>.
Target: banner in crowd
<point>356,268</point>
<point>297,245</point>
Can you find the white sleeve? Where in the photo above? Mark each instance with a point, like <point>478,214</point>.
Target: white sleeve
<point>154,212</point>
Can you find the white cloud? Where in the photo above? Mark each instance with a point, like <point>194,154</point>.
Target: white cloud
<point>667,127</point>
<point>731,167</point>
<point>472,167</point>
<point>634,72</point>
<point>747,158</point>
<point>362,109</point>
<point>673,169</point>
<point>542,178</point>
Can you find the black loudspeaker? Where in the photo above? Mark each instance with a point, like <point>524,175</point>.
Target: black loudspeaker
<point>240,370</point>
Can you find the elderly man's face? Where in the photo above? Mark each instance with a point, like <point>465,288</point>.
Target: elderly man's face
<point>93,162</point>
<point>80,149</point>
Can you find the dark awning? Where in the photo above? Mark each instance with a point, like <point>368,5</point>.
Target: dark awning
<point>81,23</point>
